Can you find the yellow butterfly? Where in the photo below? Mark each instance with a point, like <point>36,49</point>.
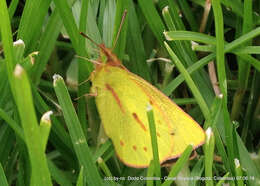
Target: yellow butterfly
<point>122,98</point>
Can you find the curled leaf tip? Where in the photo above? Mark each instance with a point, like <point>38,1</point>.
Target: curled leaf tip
<point>220,96</point>
<point>167,36</point>
<point>193,45</point>
<point>55,78</point>
<point>208,133</point>
<point>149,107</point>
<point>100,160</point>
<point>165,9</point>
<point>18,70</point>
<point>46,116</point>
<point>18,42</point>
<point>237,163</point>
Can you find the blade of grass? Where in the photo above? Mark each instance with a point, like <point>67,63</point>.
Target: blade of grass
<point>77,136</point>
<point>80,181</point>
<point>40,174</point>
<point>178,165</point>
<point>12,8</point>
<point>82,71</point>
<point>7,42</point>
<point>221,182</point>
<point>209,154</point>
<point>58,175</point>
<point>135,46</point>
<point>3,180</point>
<point>46,45</point>
<point>45,127</point>
<point>109,22</point>
<point>150,173</point>
<point>220,61</point>
<point>199,64</point>
<point>247,163</point>
<point>33,12</point>
<point>197,171</point>
<point>104,147</point>
<point>12,123</point>
<point>188,35</point>
<point>252,101</point>
<point>239,173</point>
<point>243,68</point>
<point>203,106</point>
<point>187,11</point>
<point>156,161</point>
<point>153,19</point>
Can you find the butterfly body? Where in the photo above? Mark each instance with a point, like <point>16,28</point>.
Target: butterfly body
<point>122,99</point>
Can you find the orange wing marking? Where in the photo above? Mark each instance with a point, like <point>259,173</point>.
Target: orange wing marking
<point>116,97</point>
<point>139,121</point>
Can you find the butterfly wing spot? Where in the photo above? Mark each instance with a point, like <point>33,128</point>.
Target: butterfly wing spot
<point>158,134</point>
<point>134,147</point>
<point>159,122</point>
<point>145,149</point>
<point>151,102</point>
<point>115,96</point>
<point>139,121</point>
<point>122,143</point>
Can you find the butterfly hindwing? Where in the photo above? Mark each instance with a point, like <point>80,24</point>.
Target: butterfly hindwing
<point>185,130</point>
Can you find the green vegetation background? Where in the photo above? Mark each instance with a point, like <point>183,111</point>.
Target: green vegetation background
<point>215,78</point>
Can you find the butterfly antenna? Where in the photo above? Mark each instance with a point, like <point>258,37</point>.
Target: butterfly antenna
<point>84,35</point>
<point>120,28</point>
<point>90,60</point>
<point>85,95</point>
<point>84,81</point>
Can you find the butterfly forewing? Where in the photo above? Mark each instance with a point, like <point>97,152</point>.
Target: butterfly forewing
<point>122,107</point>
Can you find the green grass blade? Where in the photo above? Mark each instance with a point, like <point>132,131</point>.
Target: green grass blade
<point>247,163</point>
<point>58,175</point>
<point>203,106</point>
<point>221,72</point>
<point>178,165</point>
<point>150,173</point>
<point>40,173</point>
<point>135,46</point>
<point>80,181</point>
<point>77,136</point>
<point>82,70</point>
<point>152,127</point>
<point>3,180</point>
<point>12,8</point>
<point>153,19</point>
<point>45,127</point>
<point>209,154</point>
<point>180,78</point>
<point>34,12</point>
<point>187,11</point>
<point>47,44</point>
<point>12,123</point>
<point>7,42</point>
<point>221,182</point>
<point>188,35</point>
